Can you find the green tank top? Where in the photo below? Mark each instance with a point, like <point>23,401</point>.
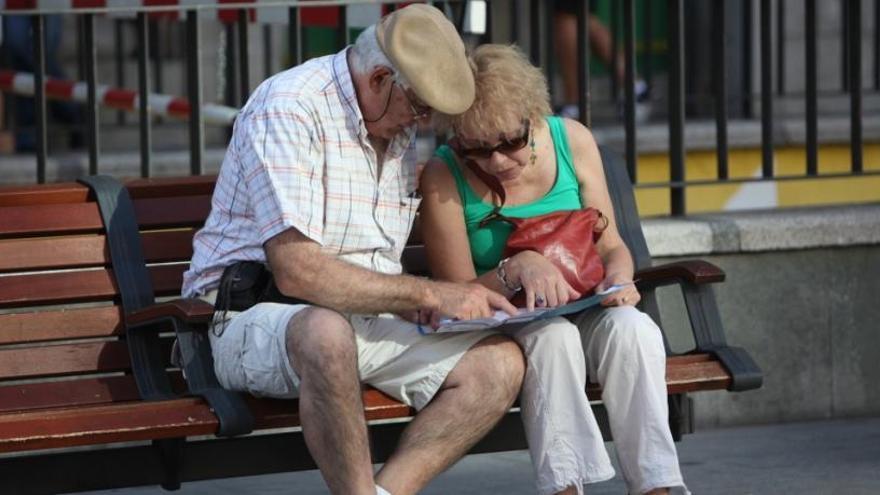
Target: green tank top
<point>487,243</point>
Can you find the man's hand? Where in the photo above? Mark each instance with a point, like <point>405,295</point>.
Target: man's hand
<point>465,302</point>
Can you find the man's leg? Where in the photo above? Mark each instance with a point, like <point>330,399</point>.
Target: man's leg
<point>322,351</point>
<point>474,396</point>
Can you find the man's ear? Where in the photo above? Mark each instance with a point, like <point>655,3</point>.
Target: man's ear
<point>379,78</point>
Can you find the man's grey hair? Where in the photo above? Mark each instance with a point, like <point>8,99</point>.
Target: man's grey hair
<point>367,55</point>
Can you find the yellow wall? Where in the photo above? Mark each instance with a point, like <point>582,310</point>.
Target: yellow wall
<point>747,163</point>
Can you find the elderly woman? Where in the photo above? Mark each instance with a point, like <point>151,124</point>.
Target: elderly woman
<point>545,164</point>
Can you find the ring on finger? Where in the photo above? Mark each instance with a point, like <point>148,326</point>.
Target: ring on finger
<point>539,300</point>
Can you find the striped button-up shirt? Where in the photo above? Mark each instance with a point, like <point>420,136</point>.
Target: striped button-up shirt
<point>300,158</point>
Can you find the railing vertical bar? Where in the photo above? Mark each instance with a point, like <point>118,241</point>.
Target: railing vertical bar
<point>676,106</point>
<point>810,76</point>
<point>38,24</point>
<point>747,64</point>
<point>535,31</point>
<point>780,47</point>
<point>194,91</point>
<point>80,48</point>
<point>876,45</point>
<point>293,36</point>
<point>230,68</point>
<point>855,79</point>
<point>612,67</point>
<point>647,43</point>
<point>244,65</point>
<point>488,34</point>
<point>719,67</point>
<point>629,50</point>
<point>268,52</point>
<point>583,61</point>
<point>844,45</point>
<point>119,61</point>
<point>92,85</point>
<point>143,34</point>
<point>766,90</point>
<point>156,35</point>
<point>515,22</point>
<point>342,28</point>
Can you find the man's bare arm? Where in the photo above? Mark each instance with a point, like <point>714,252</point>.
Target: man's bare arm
<point>302,270</point>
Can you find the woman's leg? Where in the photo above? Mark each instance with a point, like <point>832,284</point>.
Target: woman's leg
<point>625,354</point>
<point>565,442</point>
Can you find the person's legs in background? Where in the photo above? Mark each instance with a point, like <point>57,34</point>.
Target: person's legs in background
<point>18,43</point>
<point>601,41</point>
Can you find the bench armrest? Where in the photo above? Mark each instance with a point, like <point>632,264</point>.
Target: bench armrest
<point>695,277</point>
<point>695,272</point>
<point>189,310</point>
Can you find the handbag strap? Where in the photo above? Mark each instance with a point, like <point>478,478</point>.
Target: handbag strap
<point>495,186</point>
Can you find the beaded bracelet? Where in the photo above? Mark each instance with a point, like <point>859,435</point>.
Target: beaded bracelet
<point>501,273</point>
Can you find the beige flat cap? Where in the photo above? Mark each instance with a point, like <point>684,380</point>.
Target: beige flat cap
<point>424,46</point>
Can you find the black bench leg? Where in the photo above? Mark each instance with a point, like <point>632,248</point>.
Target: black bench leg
<point>170,456</point>
<point>680,415</point>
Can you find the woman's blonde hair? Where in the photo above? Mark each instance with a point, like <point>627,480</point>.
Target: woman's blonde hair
<point>509,90</point>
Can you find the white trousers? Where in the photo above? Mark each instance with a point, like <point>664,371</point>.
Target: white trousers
<point>622,349</point>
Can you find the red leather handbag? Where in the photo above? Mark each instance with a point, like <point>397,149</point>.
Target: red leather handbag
<point>567,238</point>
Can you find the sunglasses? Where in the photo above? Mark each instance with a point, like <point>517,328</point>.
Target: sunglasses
<point>505,146</point>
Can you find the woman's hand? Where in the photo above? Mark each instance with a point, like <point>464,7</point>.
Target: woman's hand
<point>627,296</point>
<point>542,283</point>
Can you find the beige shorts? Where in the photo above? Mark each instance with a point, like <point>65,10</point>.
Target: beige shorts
<point>250,354</point>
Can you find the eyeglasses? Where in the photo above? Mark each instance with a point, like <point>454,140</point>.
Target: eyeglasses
<point>506,146</point>
<point>419,110</point>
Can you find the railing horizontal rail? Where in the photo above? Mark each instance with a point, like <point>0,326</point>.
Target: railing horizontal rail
<point>746,180</point>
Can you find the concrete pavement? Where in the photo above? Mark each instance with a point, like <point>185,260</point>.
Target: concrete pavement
<point>814,458</point>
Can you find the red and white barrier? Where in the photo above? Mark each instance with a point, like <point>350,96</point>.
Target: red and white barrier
<point>22,83</point>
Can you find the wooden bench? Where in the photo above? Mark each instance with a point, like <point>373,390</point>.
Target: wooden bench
<point>72,417</point>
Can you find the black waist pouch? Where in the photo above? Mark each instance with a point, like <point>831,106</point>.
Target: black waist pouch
<point>246,283</point>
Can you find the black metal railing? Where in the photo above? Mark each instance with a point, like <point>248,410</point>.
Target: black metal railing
<point>771,58</point>
<point>850,71</point>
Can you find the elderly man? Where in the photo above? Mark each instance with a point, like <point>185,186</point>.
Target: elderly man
<point>319,183</point>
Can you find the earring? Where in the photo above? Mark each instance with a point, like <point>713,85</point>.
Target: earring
<point>534,156</point>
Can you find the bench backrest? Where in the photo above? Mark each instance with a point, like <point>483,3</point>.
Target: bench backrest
<point>59,305</point>
<point>60,314</point>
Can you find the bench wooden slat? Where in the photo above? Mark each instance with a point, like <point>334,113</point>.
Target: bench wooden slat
<point>72,192</point>
<point>708,375</point>
<point>49,219</point>
<point>70,218</point>
<point>63,359</point>
<point>682,373</point>
<point>81,251</point>
<point>79,286</point>
<point>125,422</point>
<point>44,253</point>
<point>184,211</point>
<point>119,422</point>
<point>76,392</point>
<point>21,328</point>
<point>43,194</point>
<point>69,359</point>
